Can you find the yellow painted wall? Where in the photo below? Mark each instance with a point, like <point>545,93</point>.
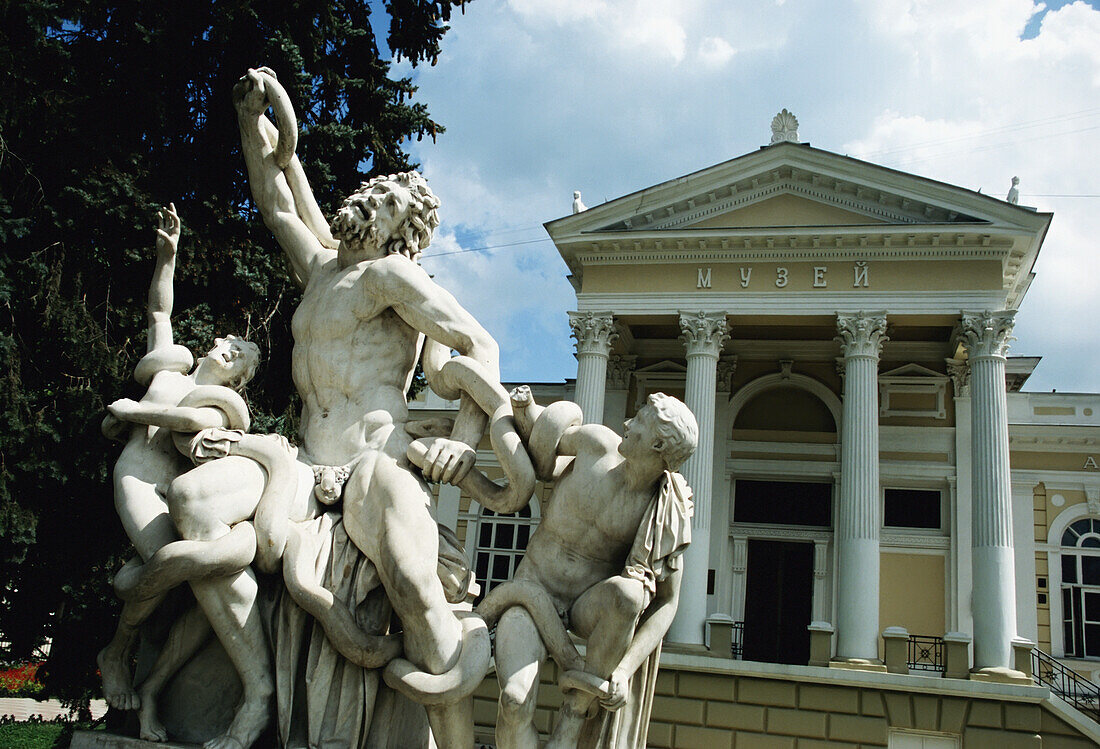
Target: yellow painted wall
<point>911,593</point>
<point>786,210</point>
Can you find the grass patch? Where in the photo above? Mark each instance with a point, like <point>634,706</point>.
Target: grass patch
<point>29,735</point>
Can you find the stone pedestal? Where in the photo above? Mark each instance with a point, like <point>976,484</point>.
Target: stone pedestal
<point>858,515</point>
<point>956,655</point>
<point>821,643</point>
<point>104,740</point>
<point>896,649</point>
<point>704,335</point>
<point>595,332</point>
<point>720,635</point>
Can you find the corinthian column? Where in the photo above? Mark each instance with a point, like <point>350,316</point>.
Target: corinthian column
<point>861,337</point>
<point>595,332</point>
<point>704,335</point>
<point>986,336</point>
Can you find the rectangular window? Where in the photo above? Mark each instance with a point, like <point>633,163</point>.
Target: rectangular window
<point>783,503</point>
<point>912,508</point>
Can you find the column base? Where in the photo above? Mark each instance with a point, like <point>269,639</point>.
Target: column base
<point>1001,675</point>
<point>858,664</point>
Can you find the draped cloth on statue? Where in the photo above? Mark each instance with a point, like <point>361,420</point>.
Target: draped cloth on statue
<point>323,700</point>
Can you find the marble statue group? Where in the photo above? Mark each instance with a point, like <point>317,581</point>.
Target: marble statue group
<point>342,609</point>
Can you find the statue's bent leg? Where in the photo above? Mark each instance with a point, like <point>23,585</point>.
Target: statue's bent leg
<point>186,636</point>
<point>144,516</point>
<point>606,614</point>
<point>519,656</point>
<point>181,561</point>
<point>205,502</point>
<point>387,515</point>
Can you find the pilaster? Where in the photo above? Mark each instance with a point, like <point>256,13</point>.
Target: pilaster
<point>704,335</point>
<point>595,332</point>
<point>861,337</point>
<point>619,369</point>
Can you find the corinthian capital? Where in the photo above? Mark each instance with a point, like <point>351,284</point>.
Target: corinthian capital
<point>959,372</point>
<point>619,369</point>
<point>862,333</point>
<point>986,333</point>
<point>594,331</point>
<point>704,333</point>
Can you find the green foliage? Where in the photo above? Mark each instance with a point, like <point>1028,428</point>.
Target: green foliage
<point>109,109</point>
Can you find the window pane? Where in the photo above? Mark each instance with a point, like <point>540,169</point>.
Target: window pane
<point>1093,541</point>
<point>1082,526</point>
<point>505,535</point>
<point>482,565</point>
<point>1069,568</point>
<point>523,533</point>
<point>525,511</point>
<point>1092,639</point>
<point>783,502</point>
<point>485,535</point>
<point>1090,570</point>
<point>1069,538</point>
<point>1067,633</point>
<point>500,566</point>
<point>1092,606</point>
<point>912,508</point>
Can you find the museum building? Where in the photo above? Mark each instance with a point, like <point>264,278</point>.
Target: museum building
<point>893,545</point>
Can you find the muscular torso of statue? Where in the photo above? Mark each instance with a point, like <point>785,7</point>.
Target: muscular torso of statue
<point>353,359</point>
<point>604,529</point>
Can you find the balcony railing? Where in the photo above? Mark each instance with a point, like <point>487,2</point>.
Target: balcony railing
<point>925,653</point>
<point>737,640</point>
<point>1066,683</point>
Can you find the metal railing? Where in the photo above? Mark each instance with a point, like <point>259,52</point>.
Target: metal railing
<point>925,653</point>
<point>1066,683</point>
<point>737,640</point>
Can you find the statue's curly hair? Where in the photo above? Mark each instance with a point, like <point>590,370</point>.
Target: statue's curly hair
<point>420,223</point>
<point>677,428</point>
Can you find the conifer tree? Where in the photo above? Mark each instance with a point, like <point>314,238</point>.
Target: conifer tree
<point>108,110</point>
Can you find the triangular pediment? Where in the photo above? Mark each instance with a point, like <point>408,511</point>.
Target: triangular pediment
<point>913,371</point>
<point>792,185</point>
<point>666,367</point>
<point>787,209</point>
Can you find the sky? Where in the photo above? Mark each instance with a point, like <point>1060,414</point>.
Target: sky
<point>542,97</point>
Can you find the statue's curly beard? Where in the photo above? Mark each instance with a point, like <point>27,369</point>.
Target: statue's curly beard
<point>355,232</point>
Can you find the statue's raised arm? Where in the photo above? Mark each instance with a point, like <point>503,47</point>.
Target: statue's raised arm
<point>278,182</point>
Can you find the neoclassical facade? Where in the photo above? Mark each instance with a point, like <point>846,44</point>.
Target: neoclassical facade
<point>870,480</point>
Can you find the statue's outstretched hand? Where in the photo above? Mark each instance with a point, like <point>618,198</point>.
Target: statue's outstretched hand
<point>168,232</point>
<point>123,409</point>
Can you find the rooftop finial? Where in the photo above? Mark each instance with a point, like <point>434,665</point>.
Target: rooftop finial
<point>1014,191</point>
<point>578,206</point>
<point>784,128</point>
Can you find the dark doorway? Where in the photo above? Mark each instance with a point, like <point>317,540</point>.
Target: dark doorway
<point>778,596</point>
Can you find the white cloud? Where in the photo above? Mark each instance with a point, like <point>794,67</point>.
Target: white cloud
<point>541,97</point>
<point>714,51</point>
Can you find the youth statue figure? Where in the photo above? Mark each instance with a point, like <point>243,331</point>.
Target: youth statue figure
<point>367,308</point>
<point>604,562</point>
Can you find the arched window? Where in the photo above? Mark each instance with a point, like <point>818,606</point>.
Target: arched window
<point>501,541</point>
<point>1081,588</point>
